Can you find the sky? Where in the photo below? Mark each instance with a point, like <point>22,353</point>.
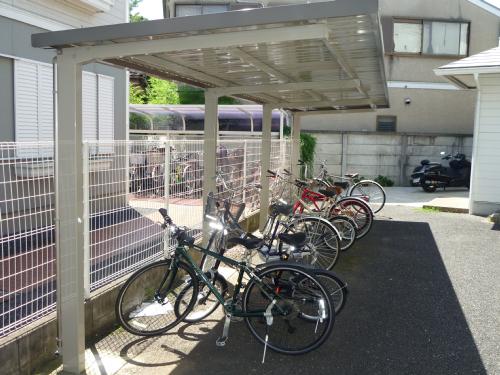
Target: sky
<point>152,9</point>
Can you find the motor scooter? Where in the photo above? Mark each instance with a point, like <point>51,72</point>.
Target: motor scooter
<point>434,175</point>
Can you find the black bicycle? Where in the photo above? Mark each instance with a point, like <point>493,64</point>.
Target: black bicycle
<point>285,307</point>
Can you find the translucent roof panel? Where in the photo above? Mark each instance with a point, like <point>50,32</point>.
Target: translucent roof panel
<point>318,56</point>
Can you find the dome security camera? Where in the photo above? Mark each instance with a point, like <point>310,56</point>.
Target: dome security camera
<point>407,101</point>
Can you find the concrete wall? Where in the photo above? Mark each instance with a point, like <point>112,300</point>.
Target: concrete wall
<point>393,155</point>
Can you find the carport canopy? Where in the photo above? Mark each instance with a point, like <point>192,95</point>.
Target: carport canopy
<point>307,58</point>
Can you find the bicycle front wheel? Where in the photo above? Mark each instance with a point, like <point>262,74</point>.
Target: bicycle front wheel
<point>347,230</point>
<point>371,192</point>
<point>302,310</point>
<point>145,303</point>
<point>323,242</point>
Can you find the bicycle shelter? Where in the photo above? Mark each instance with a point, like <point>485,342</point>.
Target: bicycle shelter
<point>313,58</point>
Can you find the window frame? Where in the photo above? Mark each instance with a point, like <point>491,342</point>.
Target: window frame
<point>421,22</point>
<point>227,5</point>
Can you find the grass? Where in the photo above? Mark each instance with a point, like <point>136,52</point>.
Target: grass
<point>433,210</point>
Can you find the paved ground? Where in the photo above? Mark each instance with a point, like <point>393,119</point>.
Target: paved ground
<point>424,299</point>
<point>416,197</point>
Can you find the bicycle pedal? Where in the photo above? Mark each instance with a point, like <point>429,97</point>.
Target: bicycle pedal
<point>221,341</point>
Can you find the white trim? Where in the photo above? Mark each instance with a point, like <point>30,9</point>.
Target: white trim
<point>467,70</point>
<point>24,59</point>
<point>487,7</point>
<point>421,85</point>
<point>21,15</point>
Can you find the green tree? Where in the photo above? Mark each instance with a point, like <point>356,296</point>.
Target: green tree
<point>135,16</point>
<point>136,94</point>
<point>193,95</point>
<point>160,91</point>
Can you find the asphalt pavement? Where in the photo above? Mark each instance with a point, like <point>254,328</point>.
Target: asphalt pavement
<point>424,299</point>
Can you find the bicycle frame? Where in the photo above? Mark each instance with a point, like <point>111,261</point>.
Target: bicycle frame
<point>229,307</point>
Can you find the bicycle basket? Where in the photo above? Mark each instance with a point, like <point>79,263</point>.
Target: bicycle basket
<point>233,211</point>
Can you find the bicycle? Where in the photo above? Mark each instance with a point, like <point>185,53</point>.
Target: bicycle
<point>224,216</point>
<point>284,306</point>
<point>368,190</point>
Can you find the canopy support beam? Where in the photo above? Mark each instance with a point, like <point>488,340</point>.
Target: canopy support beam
<point>265,163</point>
<point>70,216</point>
<point>295,152</point>
<point>342,85</point>
<point>210,136</point>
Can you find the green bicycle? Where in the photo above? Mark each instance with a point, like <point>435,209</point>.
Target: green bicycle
<point>283,305</point>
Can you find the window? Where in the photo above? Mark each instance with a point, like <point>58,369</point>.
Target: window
<point>34,118</point>
<point>183,10</point>
<point>386,123</point>
<point>428,37</point>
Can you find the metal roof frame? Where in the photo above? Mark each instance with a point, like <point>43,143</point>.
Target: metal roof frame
<point>262,52</point>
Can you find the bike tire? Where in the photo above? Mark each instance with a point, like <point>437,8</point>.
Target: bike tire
<point>358,210</point>
<point>206,302</point>
<point>372,191</point>
<point>347,229</point>
<point>137,307</point>
<point>323,243</point>
<point>293,304</point>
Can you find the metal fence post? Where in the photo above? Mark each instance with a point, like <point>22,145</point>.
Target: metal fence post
<point>166,188</point>
<point>86,218</point>
<point>244,171</point>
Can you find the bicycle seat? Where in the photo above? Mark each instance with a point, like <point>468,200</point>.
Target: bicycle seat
<point>250,242</point>
<point>328,193</point>
<point>301,183</point>
<point>294,239</point>
<point>352,175</point>
<point>280,209</point>
<point>343,185</point>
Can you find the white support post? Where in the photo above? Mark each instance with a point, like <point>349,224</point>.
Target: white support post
<point>265,163</point>
<point>210,135</point>
<point>244,185</point>
<point>86,218</point>
<point>70,216</point>
<point>295,152</point>
<point>166,189</point>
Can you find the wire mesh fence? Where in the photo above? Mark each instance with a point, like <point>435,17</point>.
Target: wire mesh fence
<point>125,183</point>
<point>27,261</point>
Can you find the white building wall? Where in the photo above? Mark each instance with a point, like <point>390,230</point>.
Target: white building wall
<point>64,14</point>
<point>485,184</point>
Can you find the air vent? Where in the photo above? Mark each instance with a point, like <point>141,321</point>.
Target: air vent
<point>386,124</point>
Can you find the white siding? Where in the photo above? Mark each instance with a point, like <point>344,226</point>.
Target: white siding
<point>62,12</point>
<point>486,174</point>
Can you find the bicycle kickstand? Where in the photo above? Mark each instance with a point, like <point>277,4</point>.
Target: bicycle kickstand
<point>221,341</point>
<point>269,321</point>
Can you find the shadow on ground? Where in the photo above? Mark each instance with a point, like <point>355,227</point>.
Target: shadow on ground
<point>402,317</point>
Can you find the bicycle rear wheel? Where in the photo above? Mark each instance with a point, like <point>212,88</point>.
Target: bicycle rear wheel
<point>145,303</point>
<point>323,242</point>
<point>356,209</point>
<point>335,287</point>
<point>371,192</point>
<point>302,310</point>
